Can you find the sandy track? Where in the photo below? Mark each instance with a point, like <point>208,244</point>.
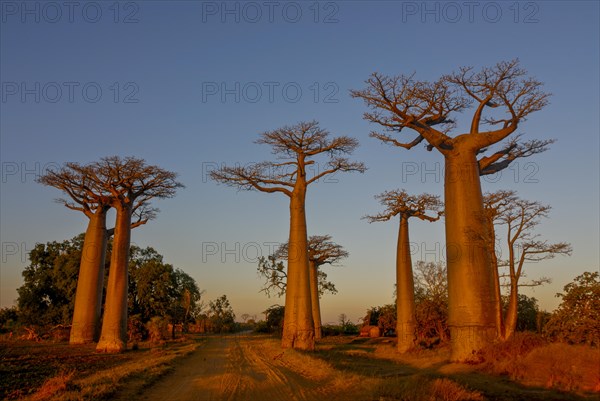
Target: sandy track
<point>232,368</point>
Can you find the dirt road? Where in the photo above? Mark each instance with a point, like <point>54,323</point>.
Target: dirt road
<point>233,368</point>
<point>253,367</point>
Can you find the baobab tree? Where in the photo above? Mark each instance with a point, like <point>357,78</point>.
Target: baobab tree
<point>521,217</point>
<point>296,146</point>
<point>130,183</point>
<point>321,251</point>
<point>425,207</point>
<point>75,180</point>
<point>500,97</point>
<point>495,204</point>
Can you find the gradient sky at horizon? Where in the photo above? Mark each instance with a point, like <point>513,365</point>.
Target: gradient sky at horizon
<point>158,65</point>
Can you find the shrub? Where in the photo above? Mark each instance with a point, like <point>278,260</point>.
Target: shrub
<point>528,358</point>
<point>136,331</point>
<point>500,358</point>
<point>422,388</point>
<point>577,319</point>
<point>158,329</point>
<point>8,319</point>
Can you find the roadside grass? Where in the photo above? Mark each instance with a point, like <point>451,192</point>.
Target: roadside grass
<point>85,375</point>
<point>529,359</point>
<point>524,368</point>
<point>341,368</point>
<point>335,384</point>
<point>375,366</point>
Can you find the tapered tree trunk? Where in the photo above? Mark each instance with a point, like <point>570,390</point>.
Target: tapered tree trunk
<point>471,301</point>
<point>496,279</point>
<point>512,311</point>
<point>114,325</point>
<point>314,297</point>
<point>405,290</point>
<point>85,327</point>
<point>298,327</point>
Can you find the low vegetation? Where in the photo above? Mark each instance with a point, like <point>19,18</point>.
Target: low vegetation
<point>57,371</point>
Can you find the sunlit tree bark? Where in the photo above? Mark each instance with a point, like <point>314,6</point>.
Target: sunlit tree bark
<point>401,204</point>
<point>321,251</point>
<point>296,146</point>
<point>131,184</point>
<point>91,199</point>
<point>495,204</point>
<point>500,97</point>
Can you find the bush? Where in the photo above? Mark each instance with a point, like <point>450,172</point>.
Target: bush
<point>274,321</point>
<point>577,319</point>
<point>500,357</point>
<point>8,319</point>
<point>136,331</point>
<point>531,360</point>
<point>158,329</point>
<point>422,388</point>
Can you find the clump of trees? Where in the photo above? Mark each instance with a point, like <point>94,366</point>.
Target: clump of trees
<point>127,185</point>
<point>577,318</point>
<point>155,290</point>
<point>343,327</point>
<point>221,315</point>
<point>273,322</point>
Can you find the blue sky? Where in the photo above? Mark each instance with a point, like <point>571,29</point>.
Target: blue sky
<point>189,85</point>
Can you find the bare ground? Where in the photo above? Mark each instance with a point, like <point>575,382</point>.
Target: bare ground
<point>251,367</point>
<point>231,368</point>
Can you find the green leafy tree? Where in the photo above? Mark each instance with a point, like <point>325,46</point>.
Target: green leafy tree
<point>155,288</point>
<point>151,284</point>
<point>383,317</point>
<point>431,298</point>
<point>48,293</point>
<point>527,313</point>
<point>273,320</point>
<point>221,315</point>
<point>187,304</point>
<point>577,319</point>
<point>8,319</point>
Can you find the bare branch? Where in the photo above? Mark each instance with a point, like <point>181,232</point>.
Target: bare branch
<point>297,145</point>
<point>502,96</point>
<point>399,202</point>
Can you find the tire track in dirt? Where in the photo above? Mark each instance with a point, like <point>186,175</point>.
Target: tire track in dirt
<point>233,368</point>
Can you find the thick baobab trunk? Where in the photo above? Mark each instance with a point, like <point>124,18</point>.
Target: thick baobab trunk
<point>496,280</point>
<point>313,271</point>
<point>114,325</point>
<point>511,311</point>
<point>405,290</point>
<point>298,328</point>
<point>85,327</point>
<point>471,298</point>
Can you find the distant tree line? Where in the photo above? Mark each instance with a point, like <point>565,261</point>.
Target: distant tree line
<point>161,297</point>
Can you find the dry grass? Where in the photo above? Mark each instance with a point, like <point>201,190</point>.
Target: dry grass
<point>529,359</point>
<point>54,385</point>
<point>145,369</point>
<point>562,366</point>
<point>335,382</point>
<point>423,388</point>
<point>365,369</point>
